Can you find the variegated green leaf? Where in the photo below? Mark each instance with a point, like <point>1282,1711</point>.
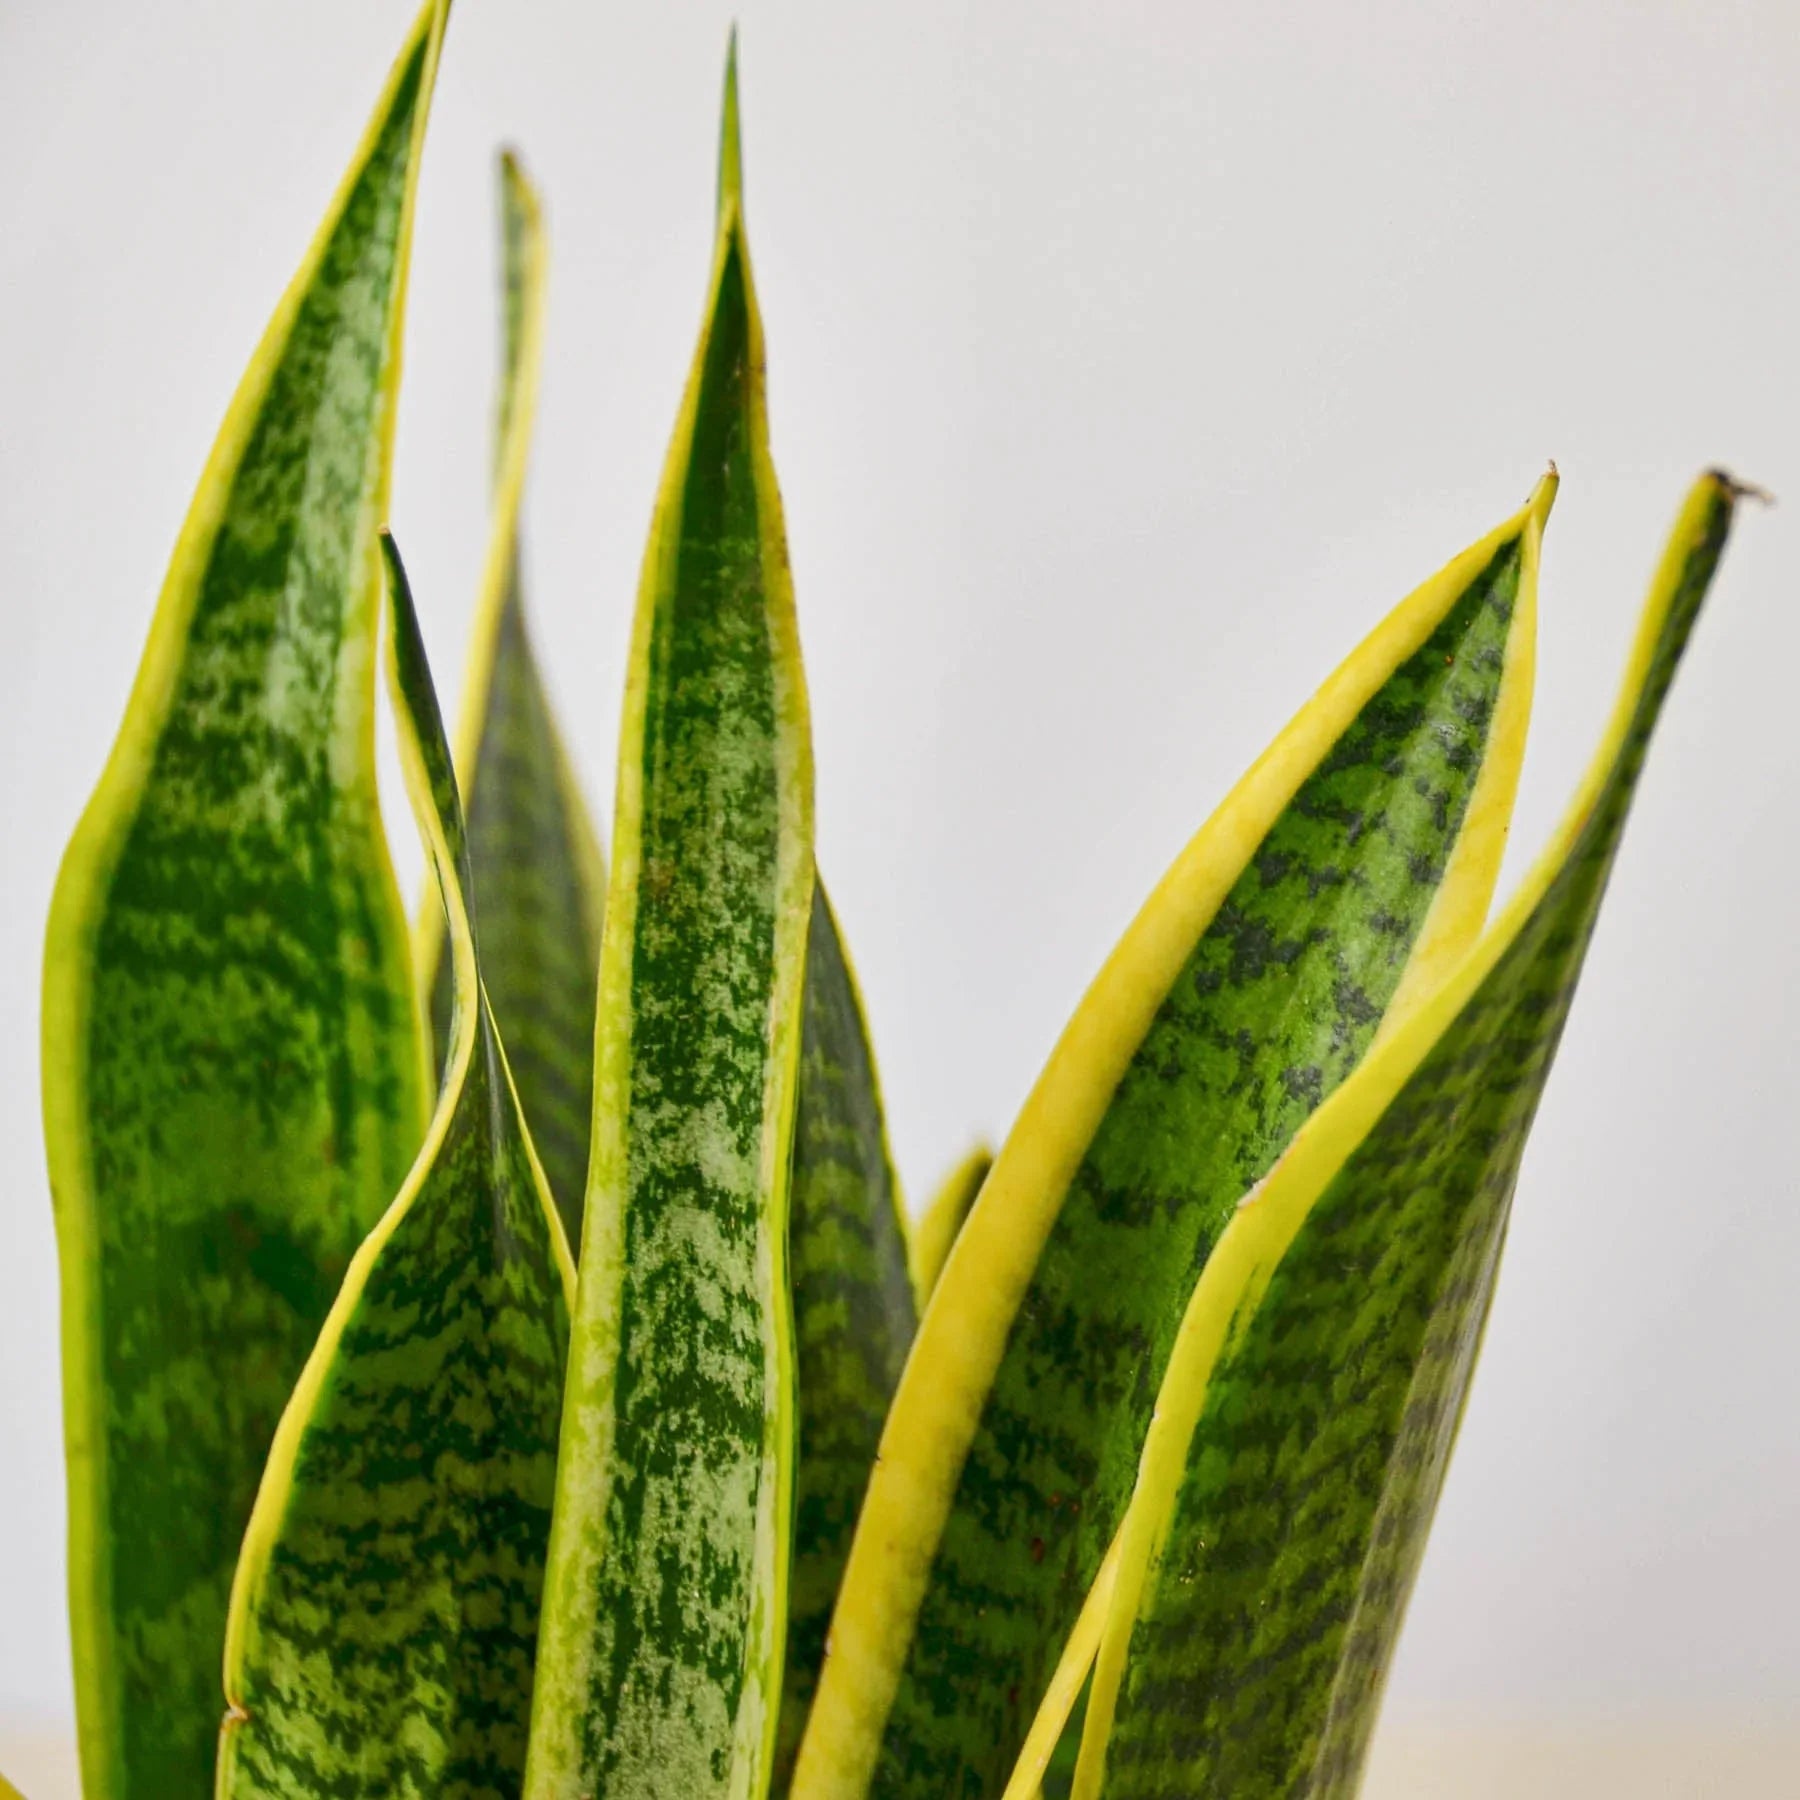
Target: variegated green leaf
<point>384,1616</point>
<point>853,1304</point>
<point>532,845</point>
<point>1354,859</point>
<point>936,1231</point>
<point>1308,1412</point>
<point>234,1078</point>
<point>665,1601</point>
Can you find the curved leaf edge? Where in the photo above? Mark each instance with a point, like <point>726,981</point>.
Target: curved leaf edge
<point>470,1016</point>
<point>963,1332</point>
<point>1272,1216</point>
<point>100,835</point>
<point>585,1453</point>
<point>521,381</point>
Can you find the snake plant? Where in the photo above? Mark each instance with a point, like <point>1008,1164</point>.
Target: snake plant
<point>497,1361</point>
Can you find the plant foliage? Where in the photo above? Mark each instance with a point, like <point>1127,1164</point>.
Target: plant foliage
<point>601,1428</point>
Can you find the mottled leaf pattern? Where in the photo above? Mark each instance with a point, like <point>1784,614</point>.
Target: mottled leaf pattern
<point>384,1617</point>
<point>935,1233</point>
<point>532,845</point>
<point>853,1303</point>
<point>665,1601</point>
<point>1308,1414</point>
<point>234,1079</point>
<point>1111,1477</point>
<point>1357,853</point>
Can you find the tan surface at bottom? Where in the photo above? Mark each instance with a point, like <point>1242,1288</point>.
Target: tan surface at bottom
<point>1643,1761</point>
<point>1411,1761</point>
<point>40,1764</point>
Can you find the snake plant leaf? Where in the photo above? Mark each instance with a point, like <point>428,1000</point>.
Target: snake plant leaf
<point>532,844</point>
<point>235,1079</point>
<point>936,1231</point>
<point>1310,1405</point>
<point>853,1302</point>
<point>1355,858</point>
<point>8,1791</point>
<point>666,1595</point>
<point>384,1617</point>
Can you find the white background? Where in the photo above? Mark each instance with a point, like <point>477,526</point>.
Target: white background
<point>1127,361</point>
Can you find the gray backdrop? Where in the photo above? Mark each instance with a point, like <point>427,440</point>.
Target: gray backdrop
<point>1128,360</point>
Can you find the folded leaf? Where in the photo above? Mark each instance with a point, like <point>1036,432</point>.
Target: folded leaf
<point>665,1601</point>
<point>1308,1411</point>
<point>234,1078</point>
<point>384,1617</point>
<point>1357,855</point>
<point>853,1304</point>
<point>936,1232</point>
<point>532,845</point>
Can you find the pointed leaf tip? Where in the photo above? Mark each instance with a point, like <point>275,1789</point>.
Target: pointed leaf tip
<point>1739,490</point>
<point>687,1222</point>
<point>515,178</point>
<point>413,673</point>
<point>518,192</point>
<point>139,1130</point>
<point>387,1396</point>
<point>409,640</point>
<point>731,149</point>
<point>1543,496</point>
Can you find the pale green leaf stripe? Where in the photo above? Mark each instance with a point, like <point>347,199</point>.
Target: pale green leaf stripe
<point>234,1077</point>
<point>853,1303</point>
<point>665,1600</point>
<point>935,1233</point>
<point>384,1617</point>
<point>533,847</point>
<point>1308,1414</point>
<point>1355,857</point>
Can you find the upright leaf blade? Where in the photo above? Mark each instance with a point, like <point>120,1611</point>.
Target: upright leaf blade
<point>234,1080</point>
<point>853,1304</point>
<point>1309,1408</point>
<point>666,1596</point>
<point>1356,856</point>
<point>384,1616</point>
<point>533,850</point>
